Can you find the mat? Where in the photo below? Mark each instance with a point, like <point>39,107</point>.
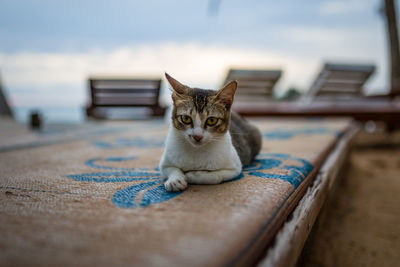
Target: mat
<point>100,201</point>
<point>15,135</point>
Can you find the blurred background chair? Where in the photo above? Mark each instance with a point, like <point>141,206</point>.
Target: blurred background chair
<point>339,82</point>
<point>253,85</point>
<point>5,109</point>
<point>129,96</point>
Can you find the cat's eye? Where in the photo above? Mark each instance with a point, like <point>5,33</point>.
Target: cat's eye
<point>186,119</point>
<point>211,121</point>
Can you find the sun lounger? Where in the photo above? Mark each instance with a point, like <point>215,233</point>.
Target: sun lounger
<point>109,93</point>
<point>100,200</point>
<point>5,109</point>
<point>329,96</point>
<point>253,85</point>
<point>339,82</point>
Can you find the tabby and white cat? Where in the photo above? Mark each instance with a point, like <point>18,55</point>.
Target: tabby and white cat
<point>206,142</point>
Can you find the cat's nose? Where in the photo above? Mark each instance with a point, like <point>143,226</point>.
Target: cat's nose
<point>197,137</point>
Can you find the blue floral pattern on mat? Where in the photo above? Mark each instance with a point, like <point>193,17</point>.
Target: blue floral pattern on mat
<point>130,142</point>
<point>296,169</point>
<point>149,183</point>
<point>284,134</point>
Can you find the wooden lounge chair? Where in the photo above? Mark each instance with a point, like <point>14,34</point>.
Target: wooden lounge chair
<point>253,85</point>
<point>339,82</point>
<point>335,82</point>
<point>124,93</point>
<point>5,109</point>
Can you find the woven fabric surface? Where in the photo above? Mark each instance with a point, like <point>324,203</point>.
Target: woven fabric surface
<point>100,200</point>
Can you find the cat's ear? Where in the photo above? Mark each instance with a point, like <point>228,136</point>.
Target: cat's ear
<point>177,86</point>
<point>226,94</point>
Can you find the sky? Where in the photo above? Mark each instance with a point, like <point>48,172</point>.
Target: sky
<point>49,48</point>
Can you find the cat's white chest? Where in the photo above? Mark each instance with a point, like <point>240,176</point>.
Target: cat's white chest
<point>213,156</point>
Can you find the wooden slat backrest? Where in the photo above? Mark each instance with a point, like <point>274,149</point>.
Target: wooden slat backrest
<point>124,92</point>
<point>340,81</point>
<point>253,85</point>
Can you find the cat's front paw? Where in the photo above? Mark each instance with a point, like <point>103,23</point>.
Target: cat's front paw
<point>175,184</point>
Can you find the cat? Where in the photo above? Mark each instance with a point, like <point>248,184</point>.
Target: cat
<point>207,143</point>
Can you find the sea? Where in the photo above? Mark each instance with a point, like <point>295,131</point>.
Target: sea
<point>73,115</point>
<point>76,115</point>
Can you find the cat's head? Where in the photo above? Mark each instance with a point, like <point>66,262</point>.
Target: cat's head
<point>202,116</point>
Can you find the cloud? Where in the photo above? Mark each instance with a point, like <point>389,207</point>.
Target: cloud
<point>60,79</point>
<point>345,7</point>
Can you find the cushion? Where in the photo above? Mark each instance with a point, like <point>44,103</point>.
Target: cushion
<point>98,199</point>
